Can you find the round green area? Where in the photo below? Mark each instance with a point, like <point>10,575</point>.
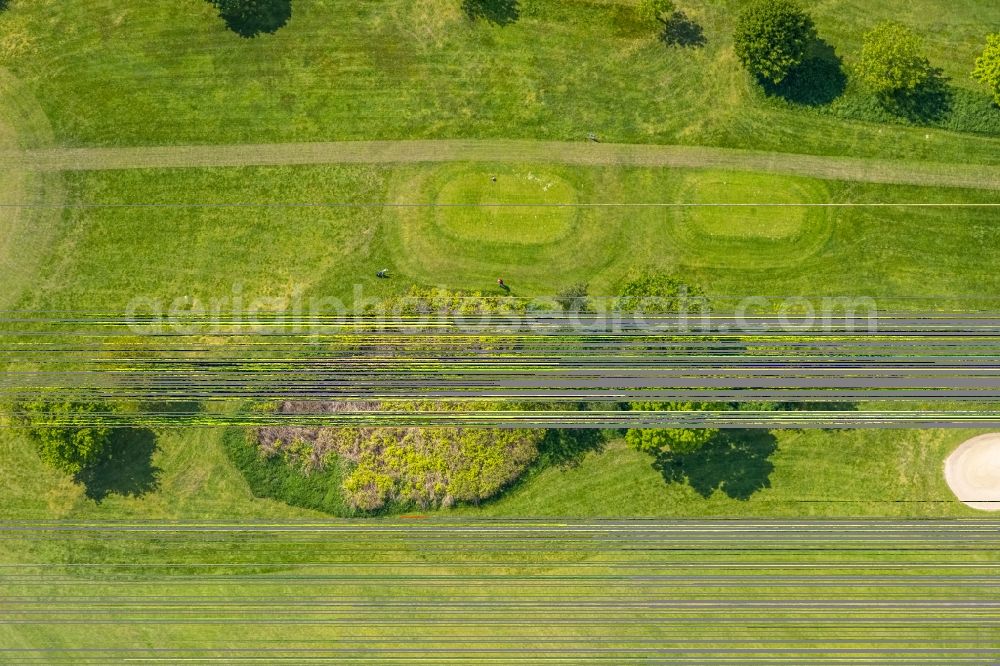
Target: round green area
<point>537,249</point>
<point>743,205</point>
<point>748,220</point>
<point>521,208</point>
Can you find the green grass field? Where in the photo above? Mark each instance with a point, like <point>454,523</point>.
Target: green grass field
<point>117,563</point>
<point>27,230</point>
<point>105,254</point>
<point>828,474</point>
<point>113,72</point>
<point>394,592</point>
<point>789,474</point>
<point>519,207</point>
<point>227,237</point>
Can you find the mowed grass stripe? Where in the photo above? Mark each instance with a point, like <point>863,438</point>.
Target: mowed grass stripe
<point>400,68</point>
<point>896,172</point>
<point>490,615</point>
<point>106,257</point>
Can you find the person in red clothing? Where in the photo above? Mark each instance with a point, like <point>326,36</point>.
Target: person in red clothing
<point>502,285</point>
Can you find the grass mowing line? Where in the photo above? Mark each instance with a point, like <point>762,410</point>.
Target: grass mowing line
<point>400,204</point>
<point>284,611</point>
<point>400,68</point>
<point>509,151</point>
<point>24,232</point>
<point>107,256</point>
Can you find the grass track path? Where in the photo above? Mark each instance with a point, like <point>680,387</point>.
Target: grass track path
<point>508,151</point>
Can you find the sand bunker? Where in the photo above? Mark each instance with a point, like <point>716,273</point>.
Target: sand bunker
<point>973,472</point>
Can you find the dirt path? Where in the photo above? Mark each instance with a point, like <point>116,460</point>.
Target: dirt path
<point>581,153</point>
<point>973,472</point>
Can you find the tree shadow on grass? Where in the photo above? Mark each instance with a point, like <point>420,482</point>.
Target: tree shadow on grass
<point>929,103</point>
<point>735,462</point>
<point>818,81</point>
<point>250,18</point>
<point>500,12</point>
<point>128,468</point>
<point>841,406</point>
<point>681,30</point>
<point>567,448</point>
<point>781,406</point>
<point>173,407</point>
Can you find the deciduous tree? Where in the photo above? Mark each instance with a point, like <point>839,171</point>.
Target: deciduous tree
<point>656,10</point>
<point>669,440</point>
<point>65,436</point>
<point>987,70</point>
<point>892,60</point>
<point>772,38</point>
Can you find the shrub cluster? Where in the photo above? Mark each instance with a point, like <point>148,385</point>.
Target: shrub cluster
<point>402,466</point>
<point>659,293</point>
<point>439,301</point>
<point>282,478</point>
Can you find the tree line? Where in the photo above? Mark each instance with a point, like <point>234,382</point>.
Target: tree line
<point>771,38</point>
<point>774,37</point>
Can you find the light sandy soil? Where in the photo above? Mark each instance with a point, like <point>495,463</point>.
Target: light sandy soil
<point>973,472</point>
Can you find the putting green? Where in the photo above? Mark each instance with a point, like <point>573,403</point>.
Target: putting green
<point>522,208</point>
<point>748,219</point>
<point>745,205</point>
<point>537,249</point>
